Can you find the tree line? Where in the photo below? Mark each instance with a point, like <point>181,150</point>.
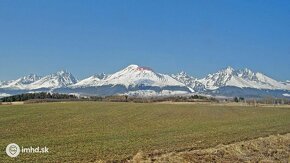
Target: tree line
<point>31,96</point>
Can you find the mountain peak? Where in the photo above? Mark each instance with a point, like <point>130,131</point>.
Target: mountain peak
<point>29,79</point>
<point>20,83</point>
<point>182,73</point>
<point>134,67</point>
<point>31,75</point>
<point>61,78</point>
<point>100,75</point>
<point>229,69</point>
<point>62,72</point>
<point>143,68</point>
<point>91,81</point>
<point>135,75</point>
<point>247,71</point>
<point>243,78</point>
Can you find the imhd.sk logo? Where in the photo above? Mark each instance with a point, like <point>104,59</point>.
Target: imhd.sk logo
<point>12,150</point>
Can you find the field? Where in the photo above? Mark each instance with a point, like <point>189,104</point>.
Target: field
<point>93,131</point>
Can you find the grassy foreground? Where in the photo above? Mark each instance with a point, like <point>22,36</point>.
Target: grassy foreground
<point>92,131</point>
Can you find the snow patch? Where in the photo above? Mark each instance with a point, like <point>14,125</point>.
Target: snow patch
<point>151,93</point>
<point>4,95</point>
<point>286,95</point>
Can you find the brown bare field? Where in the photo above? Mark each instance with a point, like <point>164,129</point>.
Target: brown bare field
<point>275,148</point>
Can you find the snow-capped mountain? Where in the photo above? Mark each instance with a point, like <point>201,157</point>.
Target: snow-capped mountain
<point>90,81</point>
<point>20,83</point>
<point>241,78</point>
<point>136,80</point>
<point>133,78</point>
<point>135,75</point>
<point>189,81</point>
<point>55,80</point>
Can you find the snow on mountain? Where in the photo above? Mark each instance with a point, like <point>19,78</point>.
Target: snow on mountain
<point>241,78</point>
<point>4,95</point>
<point>152,93</point>
<point>20,83</point>
<point>143,81</point>
<point>287,82</point>
<point>286,95</point>
<point>214,81</point>
<point>55,80</point>
<point>184,78</point>
<point>133,75</point>
<point>91,81</point>
<point>189,81</point>
<point>4,83</point>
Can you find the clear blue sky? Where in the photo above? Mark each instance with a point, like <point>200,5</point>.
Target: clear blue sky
<point>91,36</point>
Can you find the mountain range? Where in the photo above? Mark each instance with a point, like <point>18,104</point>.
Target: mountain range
<point>136,80</point>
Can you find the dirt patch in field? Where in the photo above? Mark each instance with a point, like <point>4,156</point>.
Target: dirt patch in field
<point>225,104</point>
<point>269,149</point>
<point>12,103</point>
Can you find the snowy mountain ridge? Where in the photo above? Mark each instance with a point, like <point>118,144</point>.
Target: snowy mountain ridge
<point>32,81</point>
<point>243,78</point>
<point>189,81</point>
<point>56,80</point>
<point>90,81</point>
<point>138,80</point>
<point>21,82</point>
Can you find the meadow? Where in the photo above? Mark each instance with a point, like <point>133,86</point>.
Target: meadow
<point>93,131</point>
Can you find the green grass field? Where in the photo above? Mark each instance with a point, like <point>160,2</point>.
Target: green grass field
<point>92,131</point>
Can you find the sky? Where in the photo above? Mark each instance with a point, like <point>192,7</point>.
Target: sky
<point>86,37</point>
